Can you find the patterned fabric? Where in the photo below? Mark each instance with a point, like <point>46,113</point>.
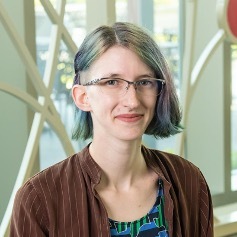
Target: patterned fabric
<point>151,225</point>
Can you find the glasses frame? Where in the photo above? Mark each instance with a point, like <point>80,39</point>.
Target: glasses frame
<point>95,82</point>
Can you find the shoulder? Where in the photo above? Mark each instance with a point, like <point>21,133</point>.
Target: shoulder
<point>48,190</point>
<point>52,180</point>
<point>58,171</point>
<point>170,161</point>
<point>178,171</point>
<point>41,196</point>
<point>60,176</point>
<point>50,175</point>
<point>189,189</point>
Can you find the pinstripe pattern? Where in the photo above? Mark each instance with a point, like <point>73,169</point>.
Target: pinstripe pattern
<point>62,201</point>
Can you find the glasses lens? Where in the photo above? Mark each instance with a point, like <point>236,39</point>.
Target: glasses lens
<point>150,86</point>
<point>118,86</point>
<point>112,86</point>
<point>160,86</point>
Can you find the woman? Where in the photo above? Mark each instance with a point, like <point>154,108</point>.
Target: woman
<point>116,186</point>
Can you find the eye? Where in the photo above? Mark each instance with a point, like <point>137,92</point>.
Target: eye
<point>145,82</point>
<point>112,82</point>
<point>115,82</point>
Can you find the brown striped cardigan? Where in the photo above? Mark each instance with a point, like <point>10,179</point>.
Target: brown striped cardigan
<point>61,200</point>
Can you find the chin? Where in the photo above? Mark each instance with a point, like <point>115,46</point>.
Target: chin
<point>131,137</point>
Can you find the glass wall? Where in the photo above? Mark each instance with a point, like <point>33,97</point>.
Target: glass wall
<point>75,23</point>
<point>121,10</point>
<point>166,33</point>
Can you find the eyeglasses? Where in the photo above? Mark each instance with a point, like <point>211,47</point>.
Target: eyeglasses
<point>118,86</point>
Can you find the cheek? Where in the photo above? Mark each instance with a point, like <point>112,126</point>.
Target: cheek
<point>152,108</point>
<point>101,103</point>
<point>151,104</point>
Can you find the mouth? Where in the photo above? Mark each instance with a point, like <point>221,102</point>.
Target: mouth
<point>129,117</point>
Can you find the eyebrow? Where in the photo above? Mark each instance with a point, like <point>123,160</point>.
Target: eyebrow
<point>117,75</point>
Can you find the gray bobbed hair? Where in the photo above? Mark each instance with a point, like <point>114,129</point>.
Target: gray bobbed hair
<point>167,117</point>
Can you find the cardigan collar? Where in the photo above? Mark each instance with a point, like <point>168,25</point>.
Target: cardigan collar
<point>95,171</point>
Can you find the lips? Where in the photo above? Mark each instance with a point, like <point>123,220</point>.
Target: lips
<point>129,117</point>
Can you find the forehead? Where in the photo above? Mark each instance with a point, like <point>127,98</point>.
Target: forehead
<point>121,61</point>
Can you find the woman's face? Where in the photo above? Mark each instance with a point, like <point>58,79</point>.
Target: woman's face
<point>123,116</point>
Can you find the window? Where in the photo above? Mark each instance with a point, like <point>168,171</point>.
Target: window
<point>51,150</point>
<point>121,10</point>
<point>166,34</point>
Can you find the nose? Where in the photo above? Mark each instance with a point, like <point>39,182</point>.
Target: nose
<point>131,97</point>
<point>131,83</point>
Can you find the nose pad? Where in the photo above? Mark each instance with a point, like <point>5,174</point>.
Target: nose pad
<point>129,84</point>
<point>132,96</point>
<point>131,99</point>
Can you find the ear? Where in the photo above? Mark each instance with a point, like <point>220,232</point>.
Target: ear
<point>80,98</point>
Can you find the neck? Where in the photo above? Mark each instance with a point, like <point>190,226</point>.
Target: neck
<point>122,162</point>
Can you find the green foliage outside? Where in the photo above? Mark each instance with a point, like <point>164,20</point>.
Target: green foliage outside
<point>234,51</point>
<point>234,160</point>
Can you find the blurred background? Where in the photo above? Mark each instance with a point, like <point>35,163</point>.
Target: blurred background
<point>38,41</point>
